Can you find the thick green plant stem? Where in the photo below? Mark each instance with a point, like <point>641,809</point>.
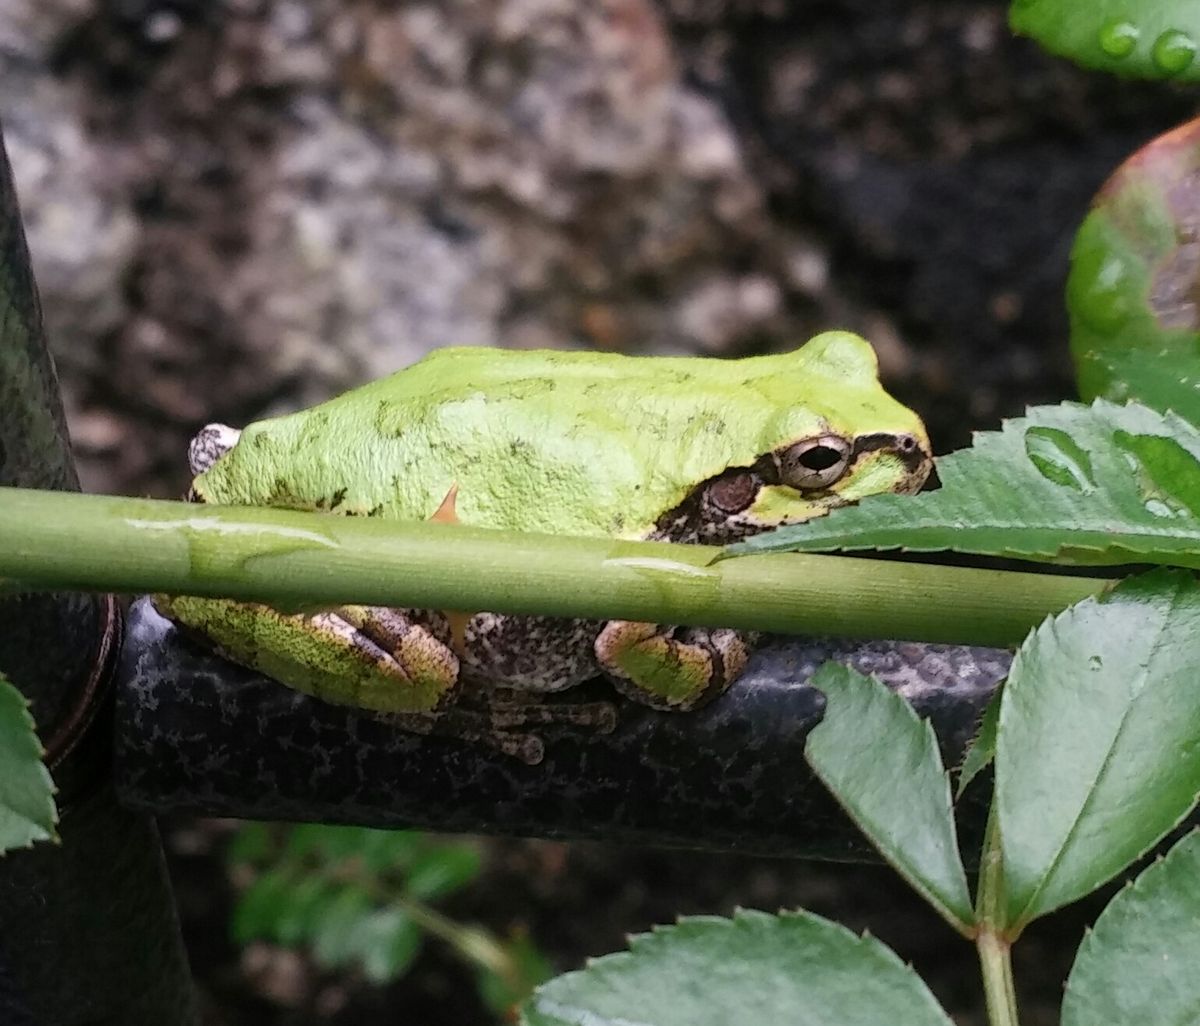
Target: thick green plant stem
<point>996,962</point>
<point>299,560</point>
<point>994,946</point>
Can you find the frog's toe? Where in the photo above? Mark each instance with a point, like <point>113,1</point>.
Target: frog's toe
<point>422,658</point>
<point>672,668</point>
<point>512,707</point>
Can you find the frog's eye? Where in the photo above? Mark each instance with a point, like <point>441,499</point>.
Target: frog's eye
<point>814,462</point>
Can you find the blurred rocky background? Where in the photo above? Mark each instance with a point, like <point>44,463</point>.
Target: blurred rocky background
<point>244,206</point>
<point>238,207</point>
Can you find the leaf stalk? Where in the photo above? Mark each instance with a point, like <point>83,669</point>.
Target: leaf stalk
<point>991,941</point>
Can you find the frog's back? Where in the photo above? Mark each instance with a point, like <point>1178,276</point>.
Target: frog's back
<point>567,442</point>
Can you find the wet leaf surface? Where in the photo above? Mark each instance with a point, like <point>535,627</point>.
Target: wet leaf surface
<point>896,792</point>
<point>1142,40</point>
<point>1138,964</point>
<point>27,811</point>
<point>1132,292</point>
<point>754,968</point>
<point>1098,738</point>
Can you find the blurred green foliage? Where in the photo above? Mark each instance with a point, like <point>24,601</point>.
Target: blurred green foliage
<point>362,900</point>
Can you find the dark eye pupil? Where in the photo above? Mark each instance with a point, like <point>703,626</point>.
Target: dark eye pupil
<point>819,457</point>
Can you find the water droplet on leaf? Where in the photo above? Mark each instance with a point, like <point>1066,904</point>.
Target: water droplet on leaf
<point>1158,508</point>
<point>1168,476</point>
<point>1059,458</point>
<point>1118,38</point>
<point>1173,51</point>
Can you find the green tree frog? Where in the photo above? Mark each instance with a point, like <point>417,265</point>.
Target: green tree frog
<point>684,449</point>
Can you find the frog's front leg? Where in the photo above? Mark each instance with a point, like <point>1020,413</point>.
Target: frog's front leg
<point>672,668</point>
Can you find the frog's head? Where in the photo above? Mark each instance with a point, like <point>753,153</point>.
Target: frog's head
<point>834,437</point>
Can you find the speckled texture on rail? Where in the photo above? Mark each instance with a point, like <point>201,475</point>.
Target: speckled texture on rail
<point>195,733</point>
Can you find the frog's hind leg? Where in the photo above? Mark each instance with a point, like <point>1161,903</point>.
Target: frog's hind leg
<point>671,668</point>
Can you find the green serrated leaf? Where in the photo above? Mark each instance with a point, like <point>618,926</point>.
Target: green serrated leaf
<point>441,871</point>
<point>27,811</point>
<point>1134,322</point>
<point>1137,966</point>
<point>1136,38</point>
<point>755,968</point>
<point>1093,485</point>
<point>1098,746</point>
<point>897,793</point>
<point>982,749</point>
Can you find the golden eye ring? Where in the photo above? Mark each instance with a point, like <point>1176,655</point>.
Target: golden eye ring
<point>815,463</point>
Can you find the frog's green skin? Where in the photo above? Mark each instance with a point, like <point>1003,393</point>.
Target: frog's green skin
<point>683,449</point>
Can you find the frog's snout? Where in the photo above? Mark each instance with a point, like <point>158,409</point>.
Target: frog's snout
<point>211,443</point>
<point>914,451</point>
<point>917,455</point>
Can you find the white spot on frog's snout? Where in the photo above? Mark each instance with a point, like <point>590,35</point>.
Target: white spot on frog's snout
<point>211,443</point>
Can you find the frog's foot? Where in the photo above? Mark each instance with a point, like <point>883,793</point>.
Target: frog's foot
<point>421,652</point>
<point>496,716</point>
<point>672,668</point>
<point>473,727</point>
<point>496,721</point>
<point>513,707</point>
